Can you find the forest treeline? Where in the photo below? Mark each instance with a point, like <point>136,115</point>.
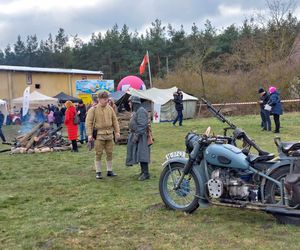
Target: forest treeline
<point>223,65</point>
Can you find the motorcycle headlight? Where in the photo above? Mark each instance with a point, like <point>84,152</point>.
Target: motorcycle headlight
<point>190,139</point>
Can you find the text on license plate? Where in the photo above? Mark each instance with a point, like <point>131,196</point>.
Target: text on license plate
<point>175,154</point>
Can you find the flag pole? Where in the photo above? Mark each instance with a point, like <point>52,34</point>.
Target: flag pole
<point>149,69</point>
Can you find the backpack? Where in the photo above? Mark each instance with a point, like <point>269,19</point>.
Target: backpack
<point>76,119</point>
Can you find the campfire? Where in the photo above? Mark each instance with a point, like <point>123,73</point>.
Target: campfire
<point>42,138</point>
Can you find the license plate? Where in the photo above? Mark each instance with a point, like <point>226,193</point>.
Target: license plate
<point>176,154</point>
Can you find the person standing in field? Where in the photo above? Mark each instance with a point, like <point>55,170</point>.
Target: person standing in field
<point>1,124</point>
<point>81,112</point>
<point>178,99</point>
<point>58,117</point>
<point>50,117</point>
<point>265,114</point>
<point>276,110</point>
<point>93,104</point>
<point>71,127</point>
<point>112,104</point>
<point>138,149</point>
<point>103,118</point>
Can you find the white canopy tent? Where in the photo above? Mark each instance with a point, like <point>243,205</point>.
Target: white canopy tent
<point>36,99</point>
<point>3,108</point>
<point>164,97</point>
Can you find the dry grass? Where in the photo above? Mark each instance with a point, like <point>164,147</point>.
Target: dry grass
<point>236,86</point>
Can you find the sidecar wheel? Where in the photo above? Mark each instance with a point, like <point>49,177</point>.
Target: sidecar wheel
<point>283,219</point>
<point>272,191</point>
<point>186,197</point>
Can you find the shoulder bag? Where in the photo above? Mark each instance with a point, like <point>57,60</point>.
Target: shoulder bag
<point>94,129</point>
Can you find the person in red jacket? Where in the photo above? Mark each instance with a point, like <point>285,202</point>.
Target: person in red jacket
<point>71,127</point>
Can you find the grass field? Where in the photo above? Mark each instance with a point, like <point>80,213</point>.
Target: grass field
<point>53,201</point>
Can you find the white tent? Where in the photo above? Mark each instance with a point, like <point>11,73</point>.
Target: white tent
<point>3,108</point>
<point>36,99</point>
<point>164,97</point>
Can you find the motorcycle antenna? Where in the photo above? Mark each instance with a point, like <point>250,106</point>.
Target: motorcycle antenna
<point>218,114</point>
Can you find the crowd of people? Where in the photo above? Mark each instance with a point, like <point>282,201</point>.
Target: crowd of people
<point>98,126</point>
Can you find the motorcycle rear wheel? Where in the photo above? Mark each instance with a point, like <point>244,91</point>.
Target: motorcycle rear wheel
<point>186,197</point>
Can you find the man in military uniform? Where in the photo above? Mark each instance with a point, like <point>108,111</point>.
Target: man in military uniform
<point>103,118</point>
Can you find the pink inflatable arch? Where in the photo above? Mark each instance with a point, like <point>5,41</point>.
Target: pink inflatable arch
<point>131,81</point>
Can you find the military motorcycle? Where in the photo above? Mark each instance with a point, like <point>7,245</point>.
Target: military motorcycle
<point>217,172</point>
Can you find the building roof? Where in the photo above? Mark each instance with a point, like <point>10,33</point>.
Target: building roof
<point>49,70</point>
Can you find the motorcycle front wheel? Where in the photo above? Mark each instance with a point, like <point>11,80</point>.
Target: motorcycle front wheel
<point>185,198</point>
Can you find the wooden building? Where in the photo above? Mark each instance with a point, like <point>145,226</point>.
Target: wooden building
<point>49,81</point>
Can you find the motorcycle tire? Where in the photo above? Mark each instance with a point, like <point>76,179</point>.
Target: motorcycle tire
<point>271,189</point>
<point>284,219</point>
<point>184,199</point>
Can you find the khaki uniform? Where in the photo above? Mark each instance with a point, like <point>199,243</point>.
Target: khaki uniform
<point>105,121</point>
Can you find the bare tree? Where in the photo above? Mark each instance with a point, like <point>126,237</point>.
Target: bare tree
<point>280,9</point>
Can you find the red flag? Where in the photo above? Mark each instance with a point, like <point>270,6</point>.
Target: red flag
<point>143,64</point>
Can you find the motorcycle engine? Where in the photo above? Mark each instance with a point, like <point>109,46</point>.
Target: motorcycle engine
<point>228,184</point>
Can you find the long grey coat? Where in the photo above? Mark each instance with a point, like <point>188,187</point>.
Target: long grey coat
<point>138,151</point>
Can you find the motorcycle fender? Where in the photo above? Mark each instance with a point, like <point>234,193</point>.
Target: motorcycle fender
<point>197,170</point>
<point>273,168</point>
<point>200,173</point>
<point>180,160</point>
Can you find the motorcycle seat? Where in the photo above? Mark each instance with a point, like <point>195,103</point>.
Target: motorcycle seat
<point>252,158</point>
<point>289,146</point>
<point>296,153</point>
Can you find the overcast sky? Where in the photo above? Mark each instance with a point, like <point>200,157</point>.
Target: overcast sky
<point>83,17</point>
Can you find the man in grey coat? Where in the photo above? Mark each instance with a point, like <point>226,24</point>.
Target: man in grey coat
<point>138,150</point>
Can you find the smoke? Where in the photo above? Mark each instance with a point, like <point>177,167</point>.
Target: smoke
<point>28,122</point>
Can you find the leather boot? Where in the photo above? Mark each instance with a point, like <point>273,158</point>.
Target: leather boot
<point>98,170</point>
<point>98,175</point>
<point>145,171</point>
<point>110,173</point>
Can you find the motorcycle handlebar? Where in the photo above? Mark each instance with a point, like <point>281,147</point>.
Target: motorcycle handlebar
<point>239,134</point>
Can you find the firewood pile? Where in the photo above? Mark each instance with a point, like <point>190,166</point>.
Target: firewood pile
<point>42,138</point>
<point>123,119</point>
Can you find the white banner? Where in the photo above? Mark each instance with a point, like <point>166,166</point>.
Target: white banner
<point>156,113</point>
<point>26,101</point>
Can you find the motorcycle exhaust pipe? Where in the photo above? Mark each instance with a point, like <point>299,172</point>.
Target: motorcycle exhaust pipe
<point>242,206</point>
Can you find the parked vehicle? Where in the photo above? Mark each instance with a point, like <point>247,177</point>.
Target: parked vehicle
<point>217,172</point>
